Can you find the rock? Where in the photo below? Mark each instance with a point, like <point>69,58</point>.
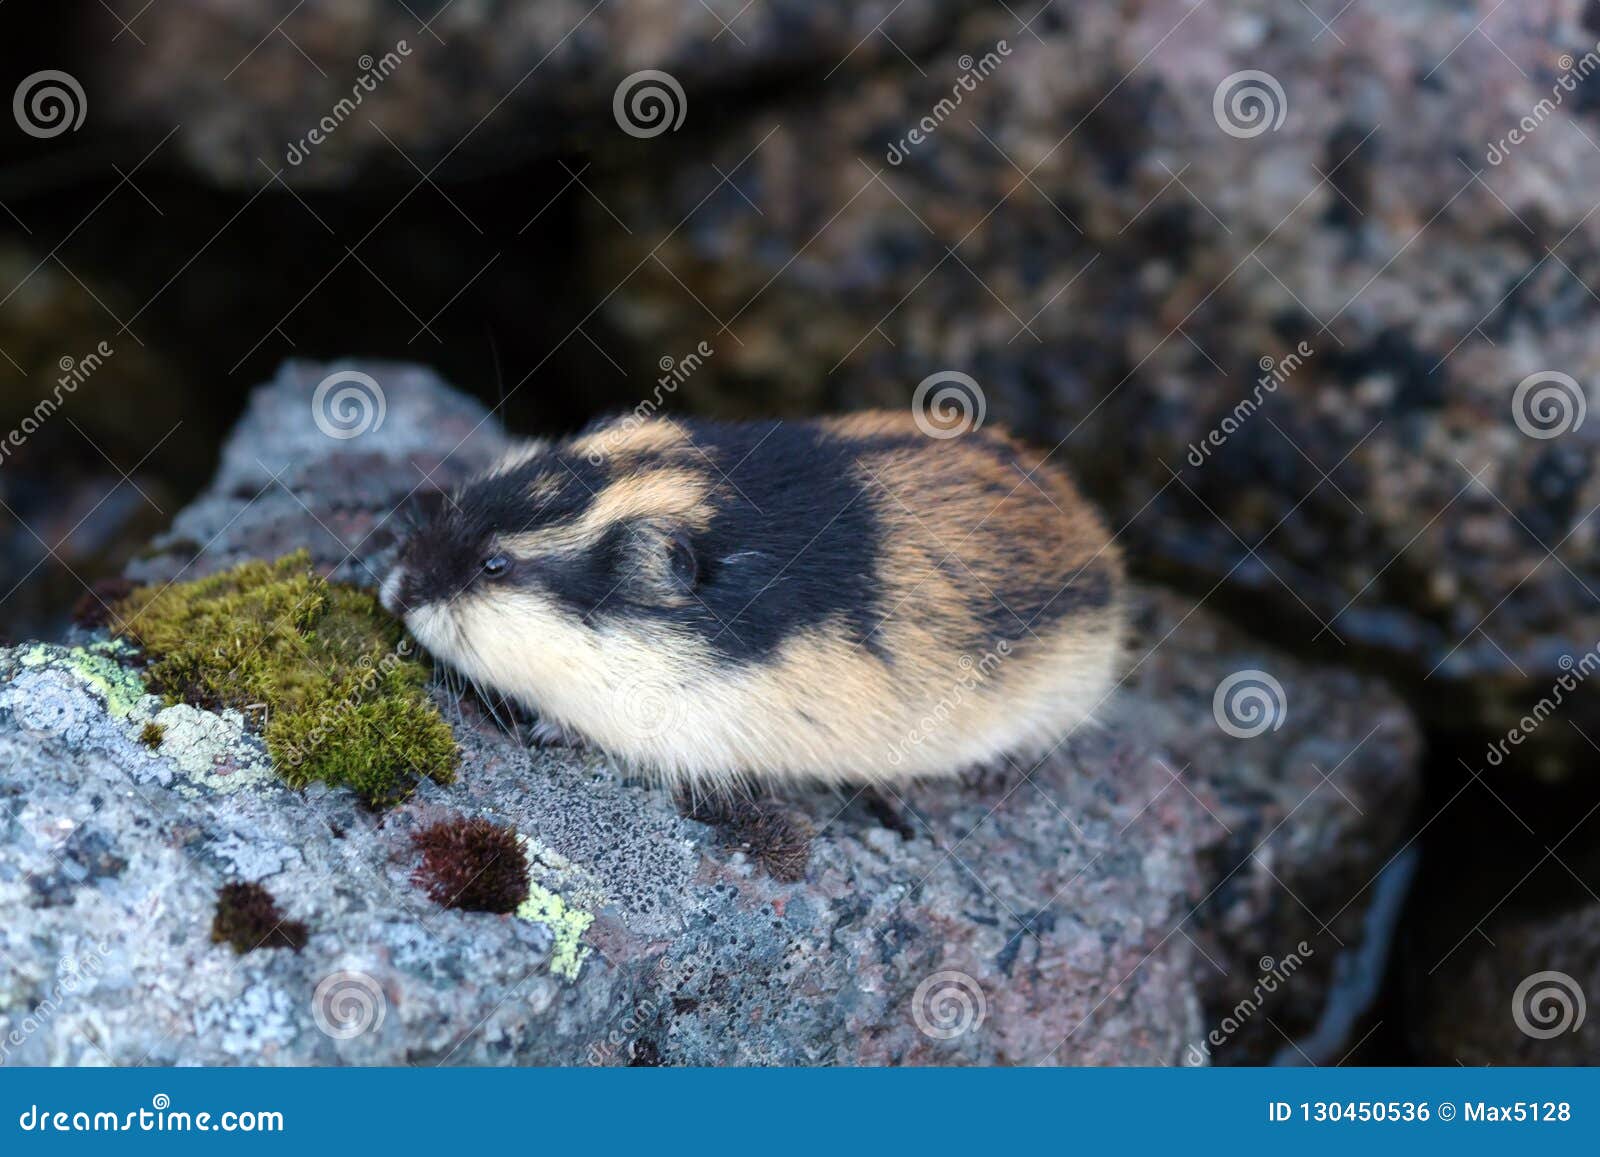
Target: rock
<point>1505,894</point>
<point>1522,997</point>
<point>1286,353</point>
<point>492,79</point>
<point>1109,908</point>
<point>1289,856</point>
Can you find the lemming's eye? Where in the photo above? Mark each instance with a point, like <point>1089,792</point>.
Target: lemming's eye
<point>496,565</point>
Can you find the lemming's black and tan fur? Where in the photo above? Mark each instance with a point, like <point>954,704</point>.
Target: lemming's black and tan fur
<point>845,600</point>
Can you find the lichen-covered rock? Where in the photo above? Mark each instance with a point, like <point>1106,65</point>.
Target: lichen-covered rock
<point>1094,221</point>
<point>1106,908</point>
<point>337,90</point>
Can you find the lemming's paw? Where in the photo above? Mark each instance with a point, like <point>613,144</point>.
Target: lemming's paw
<point>549,734</point>
<point>993,776</point>
<point>775,838</point>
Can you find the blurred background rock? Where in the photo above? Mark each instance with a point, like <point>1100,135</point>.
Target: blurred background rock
<point>1079,235</point>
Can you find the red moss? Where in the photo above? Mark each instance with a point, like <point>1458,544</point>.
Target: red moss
<point>248,918</point>
<point>472,864</point>
<point>777,841</point>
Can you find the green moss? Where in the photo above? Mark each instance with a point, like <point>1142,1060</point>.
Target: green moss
<point>327,675</point>
<point>152,734</point>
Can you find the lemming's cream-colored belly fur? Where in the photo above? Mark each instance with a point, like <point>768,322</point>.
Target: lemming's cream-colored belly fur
<point>820,708</point>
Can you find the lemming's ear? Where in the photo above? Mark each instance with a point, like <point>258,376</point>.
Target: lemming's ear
<point>663,557</point>
<point>423,506</point>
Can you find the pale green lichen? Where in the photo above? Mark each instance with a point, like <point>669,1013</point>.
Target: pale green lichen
<point>566,923</point>
<point>213,750</point>
<point>581,887</point>
<point>121,688</point>
<point>97,666</point>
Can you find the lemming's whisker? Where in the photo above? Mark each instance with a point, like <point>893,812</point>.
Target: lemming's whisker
<point>516,721</point>
<point>456,690</point>
<point>487,698</point>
